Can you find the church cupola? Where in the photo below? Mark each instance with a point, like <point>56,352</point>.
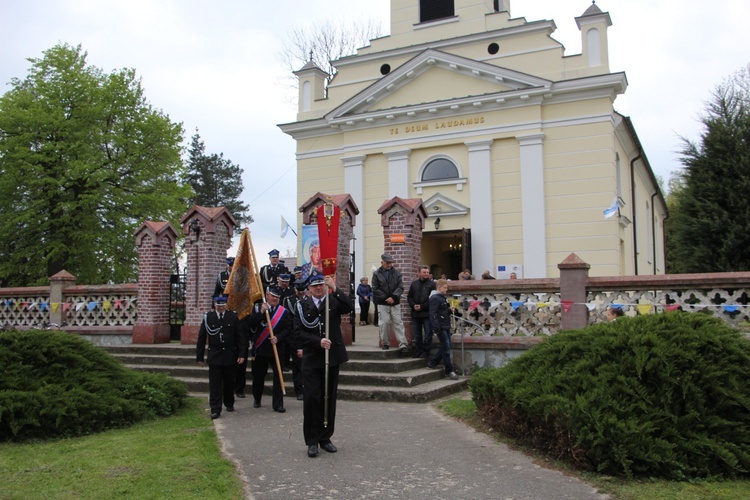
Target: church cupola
<point>593,25</point>
<point>312,85</point>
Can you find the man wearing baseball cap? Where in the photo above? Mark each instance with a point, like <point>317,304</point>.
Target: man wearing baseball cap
<point>387,288</point>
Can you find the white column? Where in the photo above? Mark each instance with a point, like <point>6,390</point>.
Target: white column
<point>532,206</point>
<point>398,173</point>
<point>354,182</point>
<point>481,215</point>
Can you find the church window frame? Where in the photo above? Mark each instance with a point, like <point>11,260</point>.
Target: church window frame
<point>458,179</point>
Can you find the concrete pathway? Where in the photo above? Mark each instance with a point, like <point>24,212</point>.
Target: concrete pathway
<point>385,450</point>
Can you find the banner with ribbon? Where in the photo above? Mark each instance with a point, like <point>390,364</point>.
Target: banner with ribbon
<point>328,233</point>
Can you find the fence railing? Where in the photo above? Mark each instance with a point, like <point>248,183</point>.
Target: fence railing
<point>532,308</point>
<point>105,306</point>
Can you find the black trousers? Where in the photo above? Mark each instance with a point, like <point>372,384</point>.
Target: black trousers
<point>221,386</point>
<point>260,370</point>
<point>240,381</point>
<point>312,425</point>
<point>297,374</point>
<point>364,311</point>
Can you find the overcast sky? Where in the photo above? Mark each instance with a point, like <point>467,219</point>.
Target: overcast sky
<point>215,66</point>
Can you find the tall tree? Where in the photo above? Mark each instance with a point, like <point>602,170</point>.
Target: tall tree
<point>217,182</point>
<point>84,159</point>
<point>324,43</point>
<point>708,230</point>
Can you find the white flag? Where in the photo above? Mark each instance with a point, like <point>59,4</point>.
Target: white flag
<point>285,227</point>
<point>612,210</point>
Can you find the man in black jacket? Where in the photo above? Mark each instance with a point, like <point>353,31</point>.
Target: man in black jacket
<point>281,323</point>
<point>310,330</point>
<point>419,303</point>
<point>227,348</point>
<point>387,287</point>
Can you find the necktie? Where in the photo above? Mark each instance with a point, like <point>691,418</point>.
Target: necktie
<point>221,317</point>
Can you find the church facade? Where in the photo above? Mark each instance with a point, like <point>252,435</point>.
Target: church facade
<point>515,148</point>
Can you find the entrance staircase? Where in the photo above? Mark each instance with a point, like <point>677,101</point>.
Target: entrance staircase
<point>370,375</point>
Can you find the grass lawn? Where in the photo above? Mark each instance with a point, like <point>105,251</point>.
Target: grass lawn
<point>465,410</point>
<point>175,457</point>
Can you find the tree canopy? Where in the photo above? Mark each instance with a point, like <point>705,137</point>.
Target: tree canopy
<point>708,228</point>
<point>217,182</point>
<point>84,160</point>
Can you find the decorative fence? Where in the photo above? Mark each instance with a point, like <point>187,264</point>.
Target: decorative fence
<point>495,314</point>
<point>533,308</point>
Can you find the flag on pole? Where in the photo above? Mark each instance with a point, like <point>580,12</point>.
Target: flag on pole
<point>243,286</point>
<point>613,209</point>
<point>285,227</point>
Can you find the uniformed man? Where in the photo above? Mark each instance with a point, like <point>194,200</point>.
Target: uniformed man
<point>297,276</point>
<point>269,274</point>
<point>262,344</point>
<point>223,278</point>
<point>310,330</point>
<point>227,348</point>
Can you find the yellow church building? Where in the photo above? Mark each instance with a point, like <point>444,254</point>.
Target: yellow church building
<point>514,147</point>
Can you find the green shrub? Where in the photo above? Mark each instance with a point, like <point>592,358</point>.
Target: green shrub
<point>55,384</point>
<point>657,395</point>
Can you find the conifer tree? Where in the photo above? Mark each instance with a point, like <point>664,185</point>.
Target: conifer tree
<point>217,182</point>
<point>709,220</point>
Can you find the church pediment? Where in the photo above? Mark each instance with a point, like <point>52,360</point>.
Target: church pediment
<point>440,205</point>
<point>435,81</point>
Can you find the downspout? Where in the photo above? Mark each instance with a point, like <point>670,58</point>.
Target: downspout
<point>653,229</point>
<point>635,219</point>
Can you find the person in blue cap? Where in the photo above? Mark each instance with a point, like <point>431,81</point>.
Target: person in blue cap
<point>310,331</point>
<point>223,278</point>
<point>269,274</point>
<point>227,348</point>
<point>262,344</point>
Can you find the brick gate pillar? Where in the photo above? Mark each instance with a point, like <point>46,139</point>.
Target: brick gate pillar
<point>574,275</point>
<point>403,221</point>
<point>347,221</point>
<point>155,242</point>
<point>209,235</point>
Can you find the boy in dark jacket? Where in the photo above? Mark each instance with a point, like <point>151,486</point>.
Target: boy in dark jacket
<point>440,321</point>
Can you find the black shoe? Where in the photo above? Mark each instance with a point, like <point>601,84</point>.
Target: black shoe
<point>328,447</point>
<point>280,409</point>
<point>312,450</point>
<point>256,404</point>
<point>230,408</point>
<point>386,347</point>
<point>240,395</point>
<point>214,416</point>
<point>424,355</point>
<point>415,354</point>
<point>300,397</point>
<point>431,365</point>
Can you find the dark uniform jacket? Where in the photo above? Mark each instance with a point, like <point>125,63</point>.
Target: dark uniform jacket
<point>419,294</point>
<point>221,283</point>
<point>309,328</point>
<point>440,313</point>
<point>226,339</point>
<point>386,285</point>
<point>257,323</point>
<point>270,275</point>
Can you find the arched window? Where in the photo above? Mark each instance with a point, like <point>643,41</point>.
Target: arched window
<point>439,169</point>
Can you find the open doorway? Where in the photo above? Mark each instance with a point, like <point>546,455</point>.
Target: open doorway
<point>447,252</point>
